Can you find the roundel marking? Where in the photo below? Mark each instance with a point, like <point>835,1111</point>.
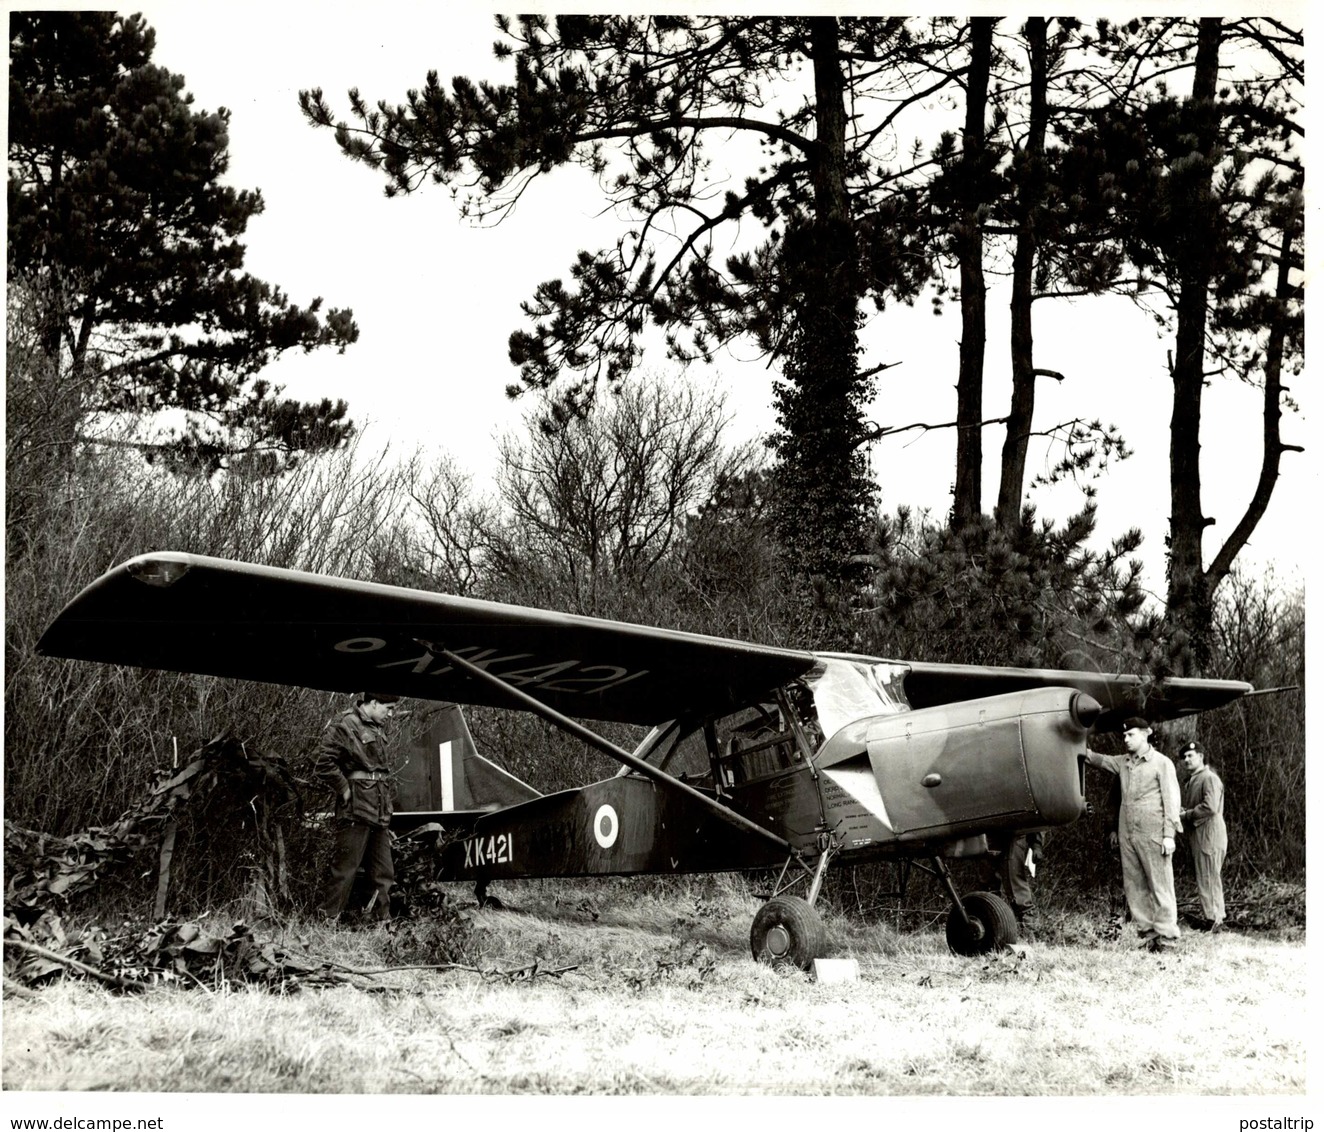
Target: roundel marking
<point>360,644</point>
<point>606,826</point>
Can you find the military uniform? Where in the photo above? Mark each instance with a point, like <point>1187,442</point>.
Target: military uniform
<point>352,761</point>
<point>1202,814</point>
<point>1150,811</point>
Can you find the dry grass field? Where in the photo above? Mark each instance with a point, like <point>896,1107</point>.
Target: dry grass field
<point>663,999</point>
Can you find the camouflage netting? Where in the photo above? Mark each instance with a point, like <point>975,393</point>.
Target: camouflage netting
<point>224,799</point>
<point>246,799</point>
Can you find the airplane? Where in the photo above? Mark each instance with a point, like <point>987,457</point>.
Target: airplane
<point>756,757</point>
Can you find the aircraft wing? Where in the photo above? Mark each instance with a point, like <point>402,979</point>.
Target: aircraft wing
<point>188,613</point>
<point>1120,694</point>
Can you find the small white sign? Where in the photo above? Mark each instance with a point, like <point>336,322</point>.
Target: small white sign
<point>836,970</point>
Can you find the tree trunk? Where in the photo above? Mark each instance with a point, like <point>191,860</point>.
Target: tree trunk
<point>966,504</point>
<point>1020,416</point>
<point>825,496</point>
<point>1189,613</point>
<point>831,200</point>
<point>1273,411</point>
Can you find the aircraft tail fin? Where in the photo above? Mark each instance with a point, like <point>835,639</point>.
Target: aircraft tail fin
<point>445,773</point>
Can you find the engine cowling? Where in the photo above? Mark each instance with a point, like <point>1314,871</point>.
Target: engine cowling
<point>1010,761</point>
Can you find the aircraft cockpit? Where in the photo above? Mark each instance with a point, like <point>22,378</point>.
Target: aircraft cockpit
<point>780,731</point>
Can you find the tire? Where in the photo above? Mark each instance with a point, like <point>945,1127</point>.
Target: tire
<point>992,926</point>
<point>787,930</point>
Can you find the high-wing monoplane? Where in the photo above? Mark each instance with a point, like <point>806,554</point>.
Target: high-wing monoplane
<point>756,757</point>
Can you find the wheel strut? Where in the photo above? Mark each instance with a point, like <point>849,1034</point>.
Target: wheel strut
<point>940,868</point>
<point>820,870</point>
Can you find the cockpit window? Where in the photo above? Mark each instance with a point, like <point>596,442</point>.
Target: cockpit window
<point>683,753</point>
<point>675,750</point>
<point>748,743</point>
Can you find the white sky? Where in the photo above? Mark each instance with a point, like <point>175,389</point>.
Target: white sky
<point>436,299</point>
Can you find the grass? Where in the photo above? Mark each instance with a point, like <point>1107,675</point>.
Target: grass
<point>664,999</point>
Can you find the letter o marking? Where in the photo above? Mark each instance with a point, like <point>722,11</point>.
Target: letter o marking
<point>361,644</point>
<point>606,826</point>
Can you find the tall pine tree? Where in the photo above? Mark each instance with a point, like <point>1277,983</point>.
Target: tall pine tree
<point>123,237</point>
<point>803,106</point>
<point>1202,195</point>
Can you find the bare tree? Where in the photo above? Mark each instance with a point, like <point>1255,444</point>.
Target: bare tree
<point>451,529</point>
<point>596,506</point>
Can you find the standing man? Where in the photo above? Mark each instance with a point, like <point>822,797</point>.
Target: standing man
<point>1147,825</point>
<point>1010,873</point>
<point>352,762</point>
<point>1202,815</point>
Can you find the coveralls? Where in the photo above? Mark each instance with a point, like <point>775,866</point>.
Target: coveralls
<point>1150,811</point>
<point>351,758</point>
<point>1202,813</point>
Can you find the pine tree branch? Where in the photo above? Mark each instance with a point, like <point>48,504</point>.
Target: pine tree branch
<point>755,125</point>
<point>880,431</point>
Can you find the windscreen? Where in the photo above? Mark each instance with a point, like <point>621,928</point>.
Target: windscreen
<point>847,688</point>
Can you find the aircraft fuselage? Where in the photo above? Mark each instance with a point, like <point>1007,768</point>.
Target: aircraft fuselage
<point>917,783</point>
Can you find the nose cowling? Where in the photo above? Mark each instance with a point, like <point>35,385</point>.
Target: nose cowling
<point>1085,710</point>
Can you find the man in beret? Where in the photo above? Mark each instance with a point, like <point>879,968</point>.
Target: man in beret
<point>1147,826</point>
<point>1202,817</point>
<point>352,762</point>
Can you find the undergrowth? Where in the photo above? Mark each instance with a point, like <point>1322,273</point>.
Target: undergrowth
<point>639,987</point>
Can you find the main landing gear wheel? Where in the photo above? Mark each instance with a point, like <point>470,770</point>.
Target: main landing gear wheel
<point>991,927</point>
<point>787,930</point>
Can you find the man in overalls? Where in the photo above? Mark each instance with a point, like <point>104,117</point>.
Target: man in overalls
<point>1206,833</point>
<point>1147,826</point>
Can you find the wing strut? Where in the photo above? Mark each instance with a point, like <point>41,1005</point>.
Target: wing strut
<point>608,748</point>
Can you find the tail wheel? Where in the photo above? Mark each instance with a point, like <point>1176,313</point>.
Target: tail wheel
<point>992,925</point>
<point>787,930</point>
